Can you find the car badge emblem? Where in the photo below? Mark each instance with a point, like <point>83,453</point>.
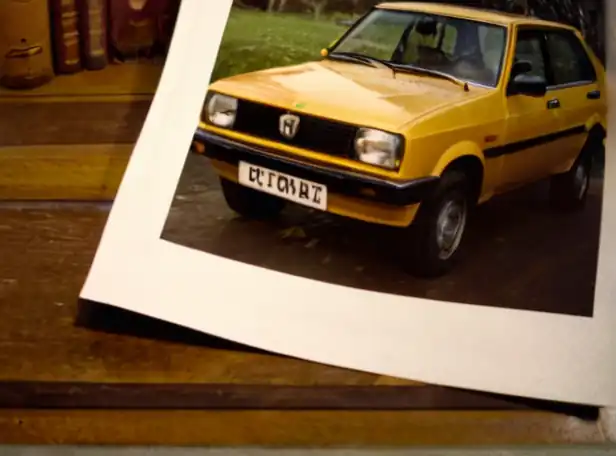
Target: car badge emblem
<point>288,125</point>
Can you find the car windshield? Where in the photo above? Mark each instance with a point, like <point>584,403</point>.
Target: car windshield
<point>467,50</point>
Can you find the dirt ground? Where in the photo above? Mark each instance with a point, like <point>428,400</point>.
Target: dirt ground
<point>519,254</point>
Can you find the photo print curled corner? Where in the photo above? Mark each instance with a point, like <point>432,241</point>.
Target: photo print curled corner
<point>274,197</point>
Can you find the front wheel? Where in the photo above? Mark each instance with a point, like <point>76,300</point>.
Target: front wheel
<point>250,203</point>
<point>436,234</point>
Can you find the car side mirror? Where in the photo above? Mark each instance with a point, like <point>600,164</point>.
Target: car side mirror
<point>526,84</point>
<point>522,83</point>
<point>521,67</point>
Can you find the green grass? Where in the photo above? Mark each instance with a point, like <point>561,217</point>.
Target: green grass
<point>255,40</point>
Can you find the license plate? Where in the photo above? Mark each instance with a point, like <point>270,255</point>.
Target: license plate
<point>284,186</point>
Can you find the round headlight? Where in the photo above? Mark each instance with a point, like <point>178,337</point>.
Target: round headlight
<point>221,110</point>
<point>378,148</point>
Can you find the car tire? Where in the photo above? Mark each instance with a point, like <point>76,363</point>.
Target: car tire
<point>436,234</point>
<point>568,191</point>
<point>250,203</point>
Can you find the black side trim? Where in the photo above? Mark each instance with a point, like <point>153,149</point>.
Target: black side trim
<point>519,146</point>
<point>397,193</point>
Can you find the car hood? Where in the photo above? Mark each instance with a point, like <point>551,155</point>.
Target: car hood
<point>351,93</point>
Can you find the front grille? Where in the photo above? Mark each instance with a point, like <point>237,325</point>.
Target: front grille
<point>315,134</point>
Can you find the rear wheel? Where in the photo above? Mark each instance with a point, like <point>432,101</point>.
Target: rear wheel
<point>436,234</point>
<point>568,191</point>
<point>250,203</point>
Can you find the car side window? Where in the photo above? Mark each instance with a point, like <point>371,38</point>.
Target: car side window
<point>568,59</point>
<point>450,35</point>
<point>528,47</point>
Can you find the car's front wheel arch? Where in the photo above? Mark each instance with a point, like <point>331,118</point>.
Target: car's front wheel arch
<point>472,167</point>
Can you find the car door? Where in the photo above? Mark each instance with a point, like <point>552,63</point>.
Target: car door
<point>531,121</point>
<point>577,91</point>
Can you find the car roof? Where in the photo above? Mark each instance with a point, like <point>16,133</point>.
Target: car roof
<point>467,12</point>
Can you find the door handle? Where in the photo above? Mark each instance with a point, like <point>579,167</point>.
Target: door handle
<point>593,95</point>
<point>554,103</point>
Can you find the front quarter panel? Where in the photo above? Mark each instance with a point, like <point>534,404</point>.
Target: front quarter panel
<point>458,150</point>
<point>463,130</point>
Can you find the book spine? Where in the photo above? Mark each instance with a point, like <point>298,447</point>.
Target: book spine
<point>93,32</point>
<point>65,27</point>
<point>133,26</point>
<point>26,58</point>
<point>166,23</point>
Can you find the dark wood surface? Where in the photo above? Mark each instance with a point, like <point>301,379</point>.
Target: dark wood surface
<point>30,124</point>
<point>85,395</point>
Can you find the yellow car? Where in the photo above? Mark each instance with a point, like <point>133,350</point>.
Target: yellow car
<point>415,115</point>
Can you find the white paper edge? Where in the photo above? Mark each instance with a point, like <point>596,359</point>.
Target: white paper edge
<point>555,357</point>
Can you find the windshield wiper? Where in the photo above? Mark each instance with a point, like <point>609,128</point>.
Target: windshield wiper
<point>436,73</point>
<point>375,62</point>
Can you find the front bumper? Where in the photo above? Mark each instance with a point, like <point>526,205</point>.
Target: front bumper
<point>349,183</point>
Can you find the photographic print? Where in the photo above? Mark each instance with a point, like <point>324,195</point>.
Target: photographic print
<point>384,146</point>
<point>403,188</point>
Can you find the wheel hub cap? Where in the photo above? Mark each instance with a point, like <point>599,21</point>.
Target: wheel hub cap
<point>450,227</point>
<point>581,180</point>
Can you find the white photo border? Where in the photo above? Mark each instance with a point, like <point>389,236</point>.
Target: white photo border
<point>532,354</point>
